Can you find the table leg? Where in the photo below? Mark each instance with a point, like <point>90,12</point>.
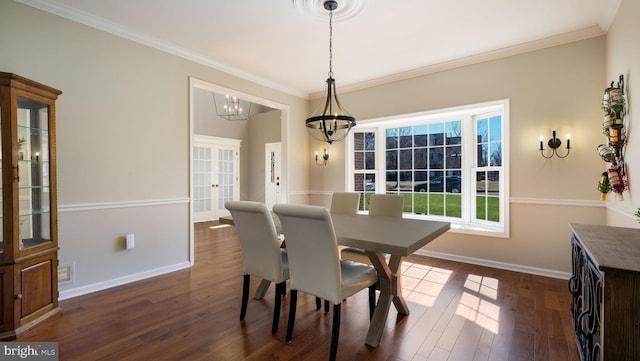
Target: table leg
<point>262,289</point>
<point>390,286</point>
<point>395,266</point>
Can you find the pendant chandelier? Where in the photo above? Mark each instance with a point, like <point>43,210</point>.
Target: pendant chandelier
<point>232,108</point>
<point>330,122</point>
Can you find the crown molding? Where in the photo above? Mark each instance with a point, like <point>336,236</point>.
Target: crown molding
<point>582,34</point>
<point>129,34</point>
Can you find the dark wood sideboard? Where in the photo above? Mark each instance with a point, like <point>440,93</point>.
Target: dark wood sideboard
<point>605,292</point>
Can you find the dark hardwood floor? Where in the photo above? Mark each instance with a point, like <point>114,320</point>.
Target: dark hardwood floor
<point>458,312</point>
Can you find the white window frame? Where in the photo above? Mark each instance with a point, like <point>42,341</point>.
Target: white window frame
<point>467,114</point>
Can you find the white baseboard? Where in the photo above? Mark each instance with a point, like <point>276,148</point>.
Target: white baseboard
<point>79,291</point>
<point>496,264</point>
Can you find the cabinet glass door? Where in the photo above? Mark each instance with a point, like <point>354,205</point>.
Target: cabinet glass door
<point>33,170</point>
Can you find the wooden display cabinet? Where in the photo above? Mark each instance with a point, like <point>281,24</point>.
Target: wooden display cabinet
<point>29,219</point>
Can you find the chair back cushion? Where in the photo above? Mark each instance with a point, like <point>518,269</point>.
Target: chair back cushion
<point>345,202</point>
<point>386,205</point>
<point>261,253</point>
<point>314,262</point>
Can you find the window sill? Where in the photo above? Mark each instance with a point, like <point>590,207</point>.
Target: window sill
<point>457,226</point>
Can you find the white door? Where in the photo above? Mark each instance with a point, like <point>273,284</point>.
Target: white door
<point>215,176</point>
<point>272,173</point>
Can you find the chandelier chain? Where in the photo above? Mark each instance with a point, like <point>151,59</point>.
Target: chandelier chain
<point>331,44</point>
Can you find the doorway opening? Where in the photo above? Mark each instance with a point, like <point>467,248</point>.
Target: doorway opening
<point>202,111</point>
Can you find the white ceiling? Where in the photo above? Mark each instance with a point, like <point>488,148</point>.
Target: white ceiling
<point>273,43</point>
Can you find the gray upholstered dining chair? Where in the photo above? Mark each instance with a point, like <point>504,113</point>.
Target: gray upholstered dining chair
<point>381,205</point>
<point>261,253</point>
<point>316,267</point>
<point>345,202</point>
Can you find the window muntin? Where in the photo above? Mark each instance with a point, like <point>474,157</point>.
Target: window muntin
<point>448,166</point>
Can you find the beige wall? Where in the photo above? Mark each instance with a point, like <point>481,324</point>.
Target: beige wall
<point>265,128</point>
<point>123,142</point>
<point>623,57</point>
<point>554,88</point>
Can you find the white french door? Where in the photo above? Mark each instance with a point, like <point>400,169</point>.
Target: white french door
<point>215,176</point>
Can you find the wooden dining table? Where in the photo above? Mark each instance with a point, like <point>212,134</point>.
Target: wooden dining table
<point>377,236</point>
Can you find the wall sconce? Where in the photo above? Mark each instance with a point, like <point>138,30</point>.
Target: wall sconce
<point>554,143</point>
<point>325,157</point>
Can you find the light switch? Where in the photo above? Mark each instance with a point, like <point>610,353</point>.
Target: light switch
<point>131,242</point>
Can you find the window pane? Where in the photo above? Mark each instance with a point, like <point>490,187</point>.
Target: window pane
<point>436,158</point>
<point>392,138</point>
<point>420,135</point>
<point>358,160</point>
<point>454,132</point>
<point>493,209</point>
<point>358,182</point>
<point>481,182</point>
<point>420,158</point>
<point>493,183</point>
<point>358,141</point>
<point>370,182</point>
<point>453,205</point>
<point>436,204</point>
<point>482,130</point>
<point>421,203</point>
<point>436,182</point>
<point>495,150</point>
<point>436,134</point>
<point>370,160</point>
<point>452,184</point>
<point>392,159</point>
<point>454,157</point>
<point>481,207</point>
<point>406,159</point>
<point>483,150</point>
<point>406,137</point>
<point>420,176</point>
<point>392,181</point>
<point>406,181</point>
<point>495,126</point>
<point>370,141</point>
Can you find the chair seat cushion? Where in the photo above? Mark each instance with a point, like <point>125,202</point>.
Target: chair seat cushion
<point>355,277</point>
<point>357,255</point>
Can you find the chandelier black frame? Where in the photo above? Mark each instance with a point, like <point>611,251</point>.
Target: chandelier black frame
<point>331,120</point>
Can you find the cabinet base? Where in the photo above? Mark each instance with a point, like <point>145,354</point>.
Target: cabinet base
<point>13,334</point>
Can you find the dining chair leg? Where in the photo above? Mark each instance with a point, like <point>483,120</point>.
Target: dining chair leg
<point>245,295</point>
<point>372,300</point>
<point>293,299</point>
<point>276,306</point>
<point>335,332</point>
<point>318,303</point>
<point>326,306</point>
